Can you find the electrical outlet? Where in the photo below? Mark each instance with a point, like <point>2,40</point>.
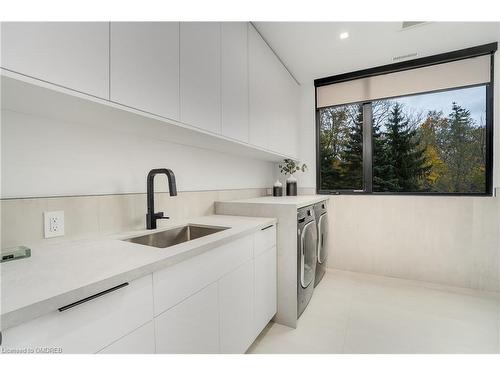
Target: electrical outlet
<point>53,224</point>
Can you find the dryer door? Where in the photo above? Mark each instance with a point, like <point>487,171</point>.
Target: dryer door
<point>308,243</point>
<point>322,238</point>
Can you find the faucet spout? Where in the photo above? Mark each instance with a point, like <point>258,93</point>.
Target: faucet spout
<point>152,216</point>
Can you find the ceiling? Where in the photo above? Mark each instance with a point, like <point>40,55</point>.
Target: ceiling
<point>313,50</point>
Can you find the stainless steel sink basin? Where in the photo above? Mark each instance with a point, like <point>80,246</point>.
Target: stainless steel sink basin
<point>175,236</point>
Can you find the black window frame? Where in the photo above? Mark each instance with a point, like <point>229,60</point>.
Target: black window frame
<point>486,49</point>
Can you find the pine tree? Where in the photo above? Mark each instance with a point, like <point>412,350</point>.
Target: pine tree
<point>352,154</point>
<point>403,153</point>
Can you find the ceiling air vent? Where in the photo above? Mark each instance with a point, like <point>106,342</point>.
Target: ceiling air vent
<point>409,24</point>
<point>404,57</point>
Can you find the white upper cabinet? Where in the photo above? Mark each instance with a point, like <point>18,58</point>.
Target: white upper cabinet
<point>235,80</point>
<point>220,77</point>
<point>70,54</point>
<point>260,99</point>
<point>200,62</point>
<point>273,99</point>
<point>285,139</point>
<point>145,66</point>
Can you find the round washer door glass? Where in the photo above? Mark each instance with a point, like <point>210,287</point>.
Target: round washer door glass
<point>309,239</point>
<point>322,238</point>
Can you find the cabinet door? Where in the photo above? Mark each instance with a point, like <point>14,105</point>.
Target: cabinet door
<point>260,89</point>
<point>265,289</point>
<point>145,66</point>
<point>283,137</point>
<point>273,99</point>
<point>140,341</point>
<point>192,326</point>
<point>235,80</point>
<point>70,54</point>
<point>194,274</point>
<point>236,309</point>
<point>200,72</point>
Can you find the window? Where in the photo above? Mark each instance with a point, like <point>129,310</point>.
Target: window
<point>431,143</point>
<point>341,147</point>
<point>435,137</point>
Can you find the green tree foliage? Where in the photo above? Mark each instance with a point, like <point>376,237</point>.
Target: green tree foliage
<point>462,149</point>
<point>341,143</point>
<point>431,153</point>
<point>401,163</point>
<point>332,134</point>
<point>352,153</point>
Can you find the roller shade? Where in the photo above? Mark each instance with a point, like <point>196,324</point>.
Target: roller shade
<point>466,72</point>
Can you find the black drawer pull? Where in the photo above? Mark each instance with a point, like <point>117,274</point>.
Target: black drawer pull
<point>269,226</point>
<point>71,305</point>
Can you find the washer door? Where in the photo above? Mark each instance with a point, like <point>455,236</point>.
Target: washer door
<point>308,243</point>
<point>322,238</point>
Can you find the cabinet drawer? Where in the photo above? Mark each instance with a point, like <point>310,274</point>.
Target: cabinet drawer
<point>90,326</point>
<point>173,284</point>
<point>265,239</point>
<point>140,341</point>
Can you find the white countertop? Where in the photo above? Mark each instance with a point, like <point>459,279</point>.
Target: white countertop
<point>58,274</point>
<point>297,201</point>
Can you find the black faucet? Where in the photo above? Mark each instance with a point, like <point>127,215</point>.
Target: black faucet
<point>152,216</point>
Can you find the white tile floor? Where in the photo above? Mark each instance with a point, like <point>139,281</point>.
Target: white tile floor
<point>359,313</point>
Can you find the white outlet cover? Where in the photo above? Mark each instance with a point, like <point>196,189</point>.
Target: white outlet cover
<point>53,223</point>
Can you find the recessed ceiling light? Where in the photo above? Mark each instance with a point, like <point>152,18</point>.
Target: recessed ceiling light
<point>344,35</point>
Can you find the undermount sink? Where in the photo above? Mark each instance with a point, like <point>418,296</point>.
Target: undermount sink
<point>175,236</point>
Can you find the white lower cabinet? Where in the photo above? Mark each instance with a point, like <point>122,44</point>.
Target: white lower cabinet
<point>90,326</point>
<point>174,284</point>
<point>192,326</point>
<point>140,341</point>
<point>226,315</point>
<point>216,302</point>
<point>265,288</point>
<point>236,300</point>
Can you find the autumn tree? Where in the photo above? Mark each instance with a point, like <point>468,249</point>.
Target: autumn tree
<point>461,144</point>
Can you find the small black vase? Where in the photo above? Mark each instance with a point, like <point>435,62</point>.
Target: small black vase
<point>291,186</point>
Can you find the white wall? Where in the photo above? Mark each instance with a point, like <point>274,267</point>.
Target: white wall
<point>42,157</point>
<point>451,240</point>
<point>448,240</point>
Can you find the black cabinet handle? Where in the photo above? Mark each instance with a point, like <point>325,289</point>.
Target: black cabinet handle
<point>269,226</point>
<point>71,305</point>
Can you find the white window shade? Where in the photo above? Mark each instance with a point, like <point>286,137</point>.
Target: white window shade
<point>467,72</point>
